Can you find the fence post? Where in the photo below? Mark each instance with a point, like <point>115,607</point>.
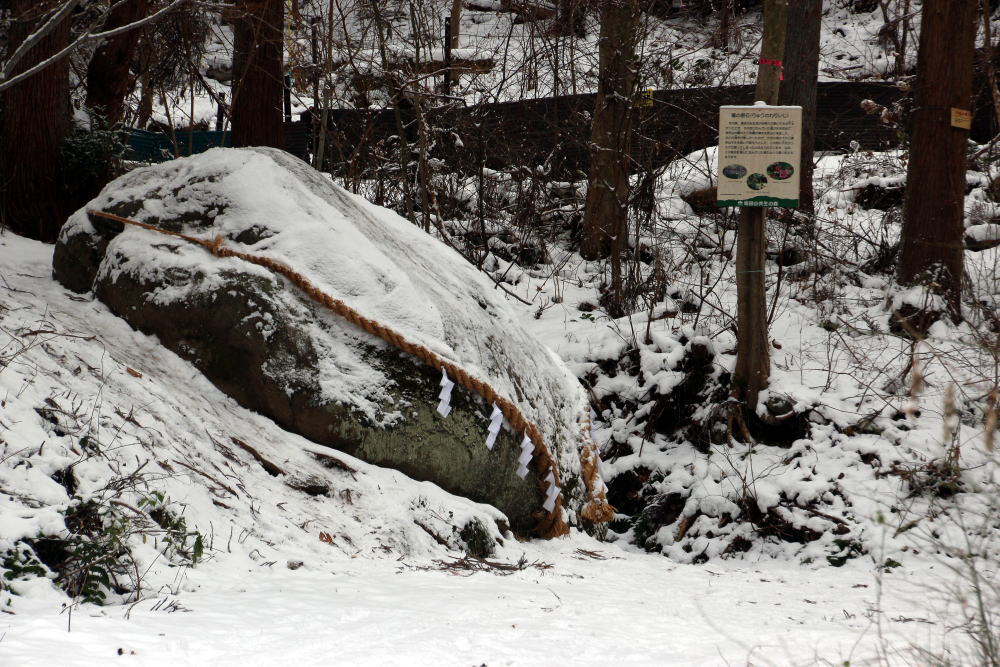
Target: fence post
<point>288,98</point>
<point>447,55</point>
<point>220,115</point>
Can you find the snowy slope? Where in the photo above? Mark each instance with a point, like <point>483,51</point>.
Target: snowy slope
<point>380,589</point>
<point>116,404</point>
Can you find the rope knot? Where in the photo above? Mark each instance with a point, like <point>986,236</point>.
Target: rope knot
<point>216,247</point>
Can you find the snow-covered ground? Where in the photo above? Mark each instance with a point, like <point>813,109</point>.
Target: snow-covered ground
<point>577,602</point>
<point>372,572</point>
<point>371,584</point>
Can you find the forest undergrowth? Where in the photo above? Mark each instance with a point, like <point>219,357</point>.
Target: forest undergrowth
<point>863,423</point>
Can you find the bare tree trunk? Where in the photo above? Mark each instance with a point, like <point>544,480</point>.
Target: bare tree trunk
<point>453,27</point>
<point>801,68</point>
<point>988,64</point>
<point>931,249</point>
<point>258,87</point>
<point>108,81</point>
<point>569,18</point>
<point>896,30</point>
<point>726,21</point>
<point>604,220</point>
<point>108,72</point>
<point>35,118</point>
<point>145,111</point>
<point>456,23</point>
<point>753,362</point>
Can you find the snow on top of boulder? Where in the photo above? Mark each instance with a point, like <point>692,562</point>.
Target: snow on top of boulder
<point>377,262</point>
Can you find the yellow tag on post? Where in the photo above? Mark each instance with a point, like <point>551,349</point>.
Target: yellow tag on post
<point>961,118</point>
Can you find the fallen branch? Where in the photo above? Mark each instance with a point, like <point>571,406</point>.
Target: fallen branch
<point>206,476</point>
<point>272,469</point>
<point>437,538</point>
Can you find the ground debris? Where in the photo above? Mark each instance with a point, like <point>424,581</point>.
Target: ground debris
<point>469,565</point>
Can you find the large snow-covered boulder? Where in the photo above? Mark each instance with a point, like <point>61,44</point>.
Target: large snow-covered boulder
<point>280,353</point>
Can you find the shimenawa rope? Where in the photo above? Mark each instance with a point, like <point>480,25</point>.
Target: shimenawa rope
<point>552,523</point>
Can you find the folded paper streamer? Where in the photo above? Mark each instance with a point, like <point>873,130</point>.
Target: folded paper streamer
<point>496,421</point>
<point>551,494</point>
<point>550,499</point>
<point>444,407</point>
<point>526,449</point>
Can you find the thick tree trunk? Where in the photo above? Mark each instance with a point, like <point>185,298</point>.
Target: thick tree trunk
<point>605,216</point>
<point>257,74</point>
<point>801,63</point>
<point>34,118</point>
<point>931,250</point>
<point>753,362</point>
<point>108,75</point>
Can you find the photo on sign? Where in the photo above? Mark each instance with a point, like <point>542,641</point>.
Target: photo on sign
<point>734,171</point>
<point>757,181</point>
<point>780,171</point>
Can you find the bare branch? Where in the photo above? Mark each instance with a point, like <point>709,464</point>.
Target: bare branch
<point>37,36</point>
<point>85,38</point>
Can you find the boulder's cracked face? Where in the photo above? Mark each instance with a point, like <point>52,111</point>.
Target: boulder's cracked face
<point>275,351</point>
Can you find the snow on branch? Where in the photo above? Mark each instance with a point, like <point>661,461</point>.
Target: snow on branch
<point>85,38</point>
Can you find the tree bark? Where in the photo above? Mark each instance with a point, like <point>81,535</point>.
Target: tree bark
<point>605,215</point>
<point>931,247</point>
<point>801,68</point>
<point>34,118</point>
<point>753,362</point>
<point>108,72</point>
<point>257,74</point>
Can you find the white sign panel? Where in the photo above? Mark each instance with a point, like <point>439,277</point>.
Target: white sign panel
<point>759,149</point>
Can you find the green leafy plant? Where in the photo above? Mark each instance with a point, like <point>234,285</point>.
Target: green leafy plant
<point>20,561</point>
<point>95,558</point>
<point>90,156</point>
<point>176,540</point>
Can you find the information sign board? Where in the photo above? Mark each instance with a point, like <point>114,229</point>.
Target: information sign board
<point>759,155</point>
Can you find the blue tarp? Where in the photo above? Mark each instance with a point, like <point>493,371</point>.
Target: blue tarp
<point>159,146</point>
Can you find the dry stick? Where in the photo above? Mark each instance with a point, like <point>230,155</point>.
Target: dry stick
<point>552,524</point>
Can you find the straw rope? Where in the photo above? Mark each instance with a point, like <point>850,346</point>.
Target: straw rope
<point>597,509</point>
<point>551,524</point>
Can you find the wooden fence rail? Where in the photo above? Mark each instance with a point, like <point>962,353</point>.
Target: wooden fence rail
<point>554,132</point>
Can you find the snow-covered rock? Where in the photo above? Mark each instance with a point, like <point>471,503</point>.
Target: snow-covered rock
<point>278,352</point>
